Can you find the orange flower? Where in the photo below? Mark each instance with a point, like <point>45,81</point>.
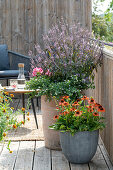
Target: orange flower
<point>4,110</point>
<point>12,95</point>
<point>65,104</point>
<point>72,109</point>
<point>28,113</point>
<point>78,100</point>
<point>91,101</point>
<point>1,97</point>
<point>95,114</point>
<point>62,100</point>
<point>23,122</point>
<point>14,126</point>
<point>75,104</point>
<point>90,107</point>
<point>90,110</point>
<point>97,104</point>
<point>7,117</point>
<point>4,134</point>
<point>23,109</point>
<point>64,113</point>
<point>65,97</point>
<point>56,117</point>
<point>78,113</point>
<point>6,93</point>
<point>85,98</point>
<point>28,119</point>
<point>101,109</point>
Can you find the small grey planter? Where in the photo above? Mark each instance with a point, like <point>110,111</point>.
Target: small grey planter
<point>81,147</point>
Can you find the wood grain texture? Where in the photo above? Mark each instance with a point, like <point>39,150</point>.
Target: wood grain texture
<point>42,160</point>
<point>59,162</point>
<point>7,160</point>
<point>104,95</point>
<point>25,155</point>
<point>22,23</point>
<point>32,155</point>
<point>98,162</point>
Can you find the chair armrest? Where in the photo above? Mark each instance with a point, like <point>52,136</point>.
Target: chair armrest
<point>16,58</point>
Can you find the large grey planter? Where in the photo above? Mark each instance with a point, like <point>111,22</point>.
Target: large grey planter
<point>81,147</point>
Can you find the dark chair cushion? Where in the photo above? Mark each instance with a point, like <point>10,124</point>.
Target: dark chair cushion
<point>4,59</point>
<point>10,73</point>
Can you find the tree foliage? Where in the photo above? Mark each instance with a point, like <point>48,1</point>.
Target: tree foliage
<point>102,25</point>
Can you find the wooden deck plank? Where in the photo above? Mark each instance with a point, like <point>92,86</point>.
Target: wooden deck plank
<point>98,162</point>
<point>1,147</point>
<point>7,160</point>
<point>25,155</point>
<point>59,162</point>
<point>79,167</point>
<point>42,159</point>
<point>105,155</point>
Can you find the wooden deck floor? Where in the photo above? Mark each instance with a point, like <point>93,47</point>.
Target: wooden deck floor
<point>32,155</point>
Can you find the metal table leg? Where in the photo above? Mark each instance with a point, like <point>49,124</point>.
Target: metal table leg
<point>33,107</point>
<point>23,103</point>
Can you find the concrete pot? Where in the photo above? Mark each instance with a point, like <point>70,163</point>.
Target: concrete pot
<point>51,137</point>
<point>81,147</point>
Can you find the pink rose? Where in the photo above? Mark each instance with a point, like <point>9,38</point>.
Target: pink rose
<point>37,70</point>
<point>48,73</point>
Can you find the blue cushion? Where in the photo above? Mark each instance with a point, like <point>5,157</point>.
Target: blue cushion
<point>10,73</point>
<point>4,59</point>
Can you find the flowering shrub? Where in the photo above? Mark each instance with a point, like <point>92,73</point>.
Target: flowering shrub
<point>69,55</point>
<point>80,115</point>
<point>8,117</point>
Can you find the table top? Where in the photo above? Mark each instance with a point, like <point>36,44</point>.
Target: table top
<point>15,90</point>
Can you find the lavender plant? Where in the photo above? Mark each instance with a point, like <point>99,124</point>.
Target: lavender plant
<point>68,53</point>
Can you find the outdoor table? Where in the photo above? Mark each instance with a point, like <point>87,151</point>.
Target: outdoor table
<point>23,92</point>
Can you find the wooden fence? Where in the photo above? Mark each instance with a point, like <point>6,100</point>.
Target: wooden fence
<point>103,93</point>
<point>22,22</point>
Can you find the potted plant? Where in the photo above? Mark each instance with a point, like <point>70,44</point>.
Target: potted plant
<point>79,122</point>
<point>8,116</point>
<point>64,66</point>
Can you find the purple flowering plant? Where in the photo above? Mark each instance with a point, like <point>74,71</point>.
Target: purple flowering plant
<point>68,58</point>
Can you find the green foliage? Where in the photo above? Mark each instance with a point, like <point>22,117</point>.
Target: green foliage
<point>49,87</point>
<point>102,25</point>
<point>76,116</point>
<point>8,117</point>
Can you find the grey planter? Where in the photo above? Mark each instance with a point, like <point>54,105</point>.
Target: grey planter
<point>81,147</point>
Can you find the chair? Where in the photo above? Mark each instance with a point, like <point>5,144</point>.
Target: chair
<point>9,63</point>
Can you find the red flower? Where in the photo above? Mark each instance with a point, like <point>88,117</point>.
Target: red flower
<point>65,104</point>
<point>62,100</point>
<point>101,109</point>
<point>72,109</point>
<point>90,107</point>
<point>91,101</point>
<point>97,104</point>
<point>78,113</point>
<point>65,113</point>
<point>85,98</point>
<point>65,97</point>
<point>56,117</point>
<point>95,114</point>
<point>78,100</point>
